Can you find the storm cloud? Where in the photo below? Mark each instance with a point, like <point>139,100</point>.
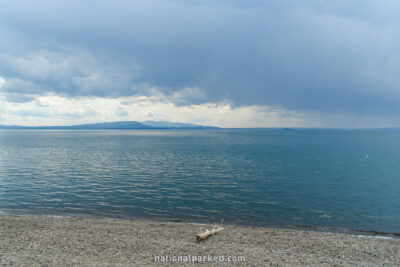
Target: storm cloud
<point>312,56</point>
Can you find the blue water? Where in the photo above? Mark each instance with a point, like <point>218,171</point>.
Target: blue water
<point>323,178</point>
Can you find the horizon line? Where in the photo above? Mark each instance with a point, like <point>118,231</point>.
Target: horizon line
<point>188,123</point>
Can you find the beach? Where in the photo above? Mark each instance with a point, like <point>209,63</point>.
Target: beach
<point>65,241</point>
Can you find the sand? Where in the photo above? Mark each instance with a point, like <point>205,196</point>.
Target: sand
<point>65,241</point>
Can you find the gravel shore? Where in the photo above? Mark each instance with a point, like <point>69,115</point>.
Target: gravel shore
<point>64,241</point>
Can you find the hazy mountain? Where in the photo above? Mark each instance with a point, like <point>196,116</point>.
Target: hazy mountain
<point>15,127</point>
<point>113,125</point>
<point>179,125</point>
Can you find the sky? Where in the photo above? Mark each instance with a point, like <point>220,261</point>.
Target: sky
<point>253,63</point>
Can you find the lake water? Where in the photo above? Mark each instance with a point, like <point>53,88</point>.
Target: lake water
<point>321,178</point>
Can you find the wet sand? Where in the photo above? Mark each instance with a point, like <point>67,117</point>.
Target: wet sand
<point>65,241</point>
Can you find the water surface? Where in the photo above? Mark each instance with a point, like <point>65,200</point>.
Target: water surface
<point>323,178</point>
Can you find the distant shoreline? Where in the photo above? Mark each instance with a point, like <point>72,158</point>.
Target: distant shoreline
<point>165,125</point>
<point>117,125</point>
<point>50,240</point>
<point>71,128</point>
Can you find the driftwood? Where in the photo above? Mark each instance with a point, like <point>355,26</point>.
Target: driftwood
<point>216,229</point>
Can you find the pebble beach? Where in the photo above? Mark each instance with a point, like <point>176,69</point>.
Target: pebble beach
<point>71,241</point>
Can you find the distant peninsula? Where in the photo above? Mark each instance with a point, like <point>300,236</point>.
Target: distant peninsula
<point>118,125</point>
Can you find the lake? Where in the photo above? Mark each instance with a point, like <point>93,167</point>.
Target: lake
<point>346,179</point>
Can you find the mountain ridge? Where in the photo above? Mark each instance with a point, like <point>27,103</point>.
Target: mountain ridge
<point>117,125</point>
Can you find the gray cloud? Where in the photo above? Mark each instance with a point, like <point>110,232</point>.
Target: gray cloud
<point>122,113</point>
<point>18,98</point>
<point>319,56</point>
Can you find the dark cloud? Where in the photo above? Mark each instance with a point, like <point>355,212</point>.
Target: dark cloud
<point>18,98</point>
<point>320,56</point>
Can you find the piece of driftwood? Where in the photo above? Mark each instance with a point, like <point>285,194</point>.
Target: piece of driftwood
<point>216,229</point>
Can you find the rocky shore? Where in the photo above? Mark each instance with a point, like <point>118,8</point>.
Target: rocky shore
<point>65,241</point>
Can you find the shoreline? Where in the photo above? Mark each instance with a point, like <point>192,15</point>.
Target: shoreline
<point>58,240</point>
<point>320,229</point>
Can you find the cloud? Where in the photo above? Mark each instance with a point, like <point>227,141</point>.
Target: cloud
<point>122,112</point>
<point>56,110</point>
<point>19,98</point>
<point>328,57</point>
<point>188,95</point>
<point>68,72</point>
<point>30,113</point>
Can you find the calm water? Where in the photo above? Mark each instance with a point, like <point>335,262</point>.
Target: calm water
<point>324,178</point>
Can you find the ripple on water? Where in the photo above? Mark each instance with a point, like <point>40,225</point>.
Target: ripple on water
<point>315,177</point>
